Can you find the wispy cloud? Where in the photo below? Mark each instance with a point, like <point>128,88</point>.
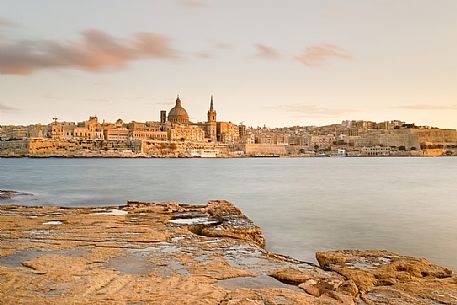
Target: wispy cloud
<point>427,107</point>
<point>5,108</point>
<point>6,23</point>
<point>316,55</point>
<point>312,111</point>
<point>266,51</point>
<point>97,51</point>
<point>192,3</point>
<point>222,45</point>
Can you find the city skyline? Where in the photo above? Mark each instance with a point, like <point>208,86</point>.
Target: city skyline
<point>279,64</point>
<point>166,109</point>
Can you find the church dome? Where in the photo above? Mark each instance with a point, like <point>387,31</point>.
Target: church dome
<point>178,114</point>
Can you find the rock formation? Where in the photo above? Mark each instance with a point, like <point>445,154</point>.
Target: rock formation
<point>169,253</point>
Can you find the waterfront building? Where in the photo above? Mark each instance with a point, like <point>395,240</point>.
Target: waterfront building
<point>376,151</point>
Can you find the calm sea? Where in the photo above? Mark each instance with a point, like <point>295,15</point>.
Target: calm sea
<point>406,205</point>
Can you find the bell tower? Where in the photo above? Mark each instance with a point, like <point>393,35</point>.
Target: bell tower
<point>211,125</point>
<point>211,112</point>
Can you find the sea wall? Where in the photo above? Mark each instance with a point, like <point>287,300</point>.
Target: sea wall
<point>40,147</point>
<point>263,149</point>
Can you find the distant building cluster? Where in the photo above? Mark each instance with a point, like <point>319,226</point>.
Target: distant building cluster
<point>174,127</point>
<point>175,135</point>
<point>361,138</point>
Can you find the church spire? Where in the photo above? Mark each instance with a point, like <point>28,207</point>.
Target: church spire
<point>211,107</point>
<point>211,111</point>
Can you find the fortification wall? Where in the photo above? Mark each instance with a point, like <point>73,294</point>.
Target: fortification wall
<point>45,147</point>
<point>436,136</point>
<point>264,149</point>
<point>14,147</point>
<point>389,138</point>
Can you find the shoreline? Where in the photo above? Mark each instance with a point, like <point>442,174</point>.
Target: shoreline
<point>163,253</point>
<point>222,157</point>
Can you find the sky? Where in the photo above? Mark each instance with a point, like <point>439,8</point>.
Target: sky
<point>274,63</point>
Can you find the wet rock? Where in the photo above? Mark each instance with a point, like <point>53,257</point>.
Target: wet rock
<point>223,208</point>
<point>169,253</point>
<point>387,278</point>
<point>219,218</point>
<point>291,276</point>
<point>323,285</point>
<point>232,223</point>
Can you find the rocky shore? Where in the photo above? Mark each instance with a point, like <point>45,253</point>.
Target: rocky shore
<point>169,253</point>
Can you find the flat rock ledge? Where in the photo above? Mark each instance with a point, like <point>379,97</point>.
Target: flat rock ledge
<point>169,253</point>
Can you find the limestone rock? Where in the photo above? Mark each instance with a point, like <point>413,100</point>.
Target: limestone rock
<point>224,219</point>
<point>170,253</point>
<point>387,278</point>
<point>291,275</point>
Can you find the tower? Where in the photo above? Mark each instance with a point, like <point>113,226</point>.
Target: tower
<point>211,112</point>
<point>163,116</point>
<point>211,125</point>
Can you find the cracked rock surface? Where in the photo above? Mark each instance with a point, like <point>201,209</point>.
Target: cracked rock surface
<point>169,253</point>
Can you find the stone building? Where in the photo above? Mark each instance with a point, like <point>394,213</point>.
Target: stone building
<point>62,130</point>
<point>148,131</point>
<point>227,132</point>
<point>186,133</point>
<point>323,141</point>
<point>376,151</point>
<point>89,130</point>
<point>116,132</point>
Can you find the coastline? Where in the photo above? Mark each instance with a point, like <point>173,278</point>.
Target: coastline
<point>116,156</point>
<point>163,253</point>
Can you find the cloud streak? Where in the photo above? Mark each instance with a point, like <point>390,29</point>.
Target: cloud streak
<point>427,107</point>
<point>266,51</point>
<point>97,51</point>
<point>5,108</point>
<point>313,111</point>
<point>316,55</point>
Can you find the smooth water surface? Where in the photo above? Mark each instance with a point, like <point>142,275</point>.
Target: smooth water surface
<point>406,205</point>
